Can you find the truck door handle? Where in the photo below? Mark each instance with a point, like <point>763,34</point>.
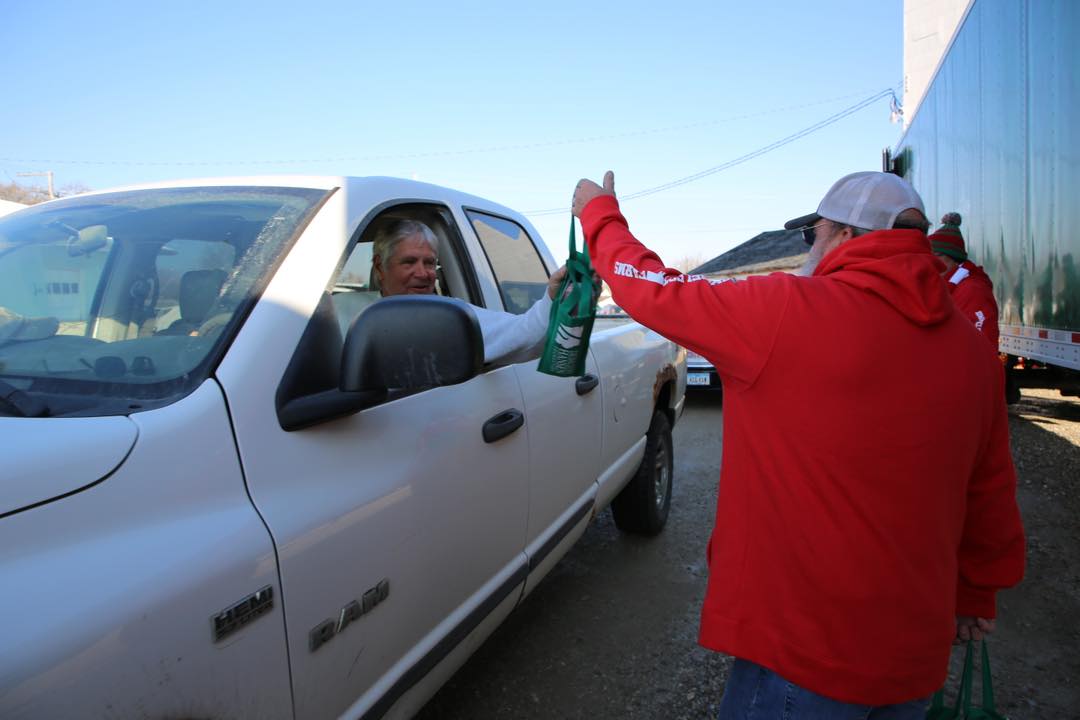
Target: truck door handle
<point>503,424</point>
<point>585,385</point>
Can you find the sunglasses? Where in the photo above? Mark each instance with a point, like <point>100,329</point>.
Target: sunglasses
<point>809,233</point>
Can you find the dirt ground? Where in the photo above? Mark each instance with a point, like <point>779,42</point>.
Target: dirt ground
<point>1035,652</point>
<point>611,632</point>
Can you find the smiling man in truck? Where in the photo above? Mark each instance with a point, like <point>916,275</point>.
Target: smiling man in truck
<point>405,260</point>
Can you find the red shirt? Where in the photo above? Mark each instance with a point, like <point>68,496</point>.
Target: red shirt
<point>867,496</point>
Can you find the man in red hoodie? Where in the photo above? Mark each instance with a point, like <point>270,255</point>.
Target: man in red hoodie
<point>971,288</point>
<point>866,514</point>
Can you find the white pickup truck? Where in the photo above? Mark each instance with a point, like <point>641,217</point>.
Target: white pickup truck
<point>233,486</point>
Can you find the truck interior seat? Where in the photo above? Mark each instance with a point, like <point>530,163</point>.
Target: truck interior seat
<point>199,290</point>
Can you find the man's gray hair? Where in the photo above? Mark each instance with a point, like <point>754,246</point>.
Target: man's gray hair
<point>910,219</point>
<point>392,233</point>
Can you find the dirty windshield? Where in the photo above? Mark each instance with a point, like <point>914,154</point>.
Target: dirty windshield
<point>121,301</point>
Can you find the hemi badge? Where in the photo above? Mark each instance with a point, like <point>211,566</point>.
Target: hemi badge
<point>233,618</point>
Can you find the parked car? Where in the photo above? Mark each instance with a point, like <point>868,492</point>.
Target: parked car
<point>238,484</point>
<point>700,373</point>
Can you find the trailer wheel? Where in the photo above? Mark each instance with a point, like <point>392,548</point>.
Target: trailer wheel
<point>642,506</point>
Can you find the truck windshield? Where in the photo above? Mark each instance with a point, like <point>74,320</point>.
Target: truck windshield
<point>118,302</point>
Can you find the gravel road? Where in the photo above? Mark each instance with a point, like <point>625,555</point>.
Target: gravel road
<point>611,632</point>
<point>1034,653</point>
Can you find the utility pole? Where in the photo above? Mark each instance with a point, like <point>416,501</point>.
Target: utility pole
<point>44,173</point>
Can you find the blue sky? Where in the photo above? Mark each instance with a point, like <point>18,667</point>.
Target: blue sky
<point>513,102</point>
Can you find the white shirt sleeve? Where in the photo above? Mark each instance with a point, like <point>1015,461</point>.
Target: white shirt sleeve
<point>514,338</point>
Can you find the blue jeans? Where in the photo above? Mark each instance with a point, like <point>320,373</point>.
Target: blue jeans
<point>757,693</point>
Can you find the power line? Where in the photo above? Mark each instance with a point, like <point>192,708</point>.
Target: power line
<point>742,158</point>
<point>437,153</point>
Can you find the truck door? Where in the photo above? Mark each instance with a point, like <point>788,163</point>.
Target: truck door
<point>564,457</point>
<point>563,415</point>
<point>396,527</point>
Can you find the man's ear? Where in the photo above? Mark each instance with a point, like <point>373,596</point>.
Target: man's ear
<point>838,239</point>
<point>376,264</point>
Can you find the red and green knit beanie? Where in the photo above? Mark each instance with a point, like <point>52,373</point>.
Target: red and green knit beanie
<point>947,240</point>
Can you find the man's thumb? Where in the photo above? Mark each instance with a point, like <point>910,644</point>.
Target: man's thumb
<point>609,182</point>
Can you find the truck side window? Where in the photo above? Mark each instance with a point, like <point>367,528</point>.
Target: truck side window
<point>356,286</point>
<point>519,270</point>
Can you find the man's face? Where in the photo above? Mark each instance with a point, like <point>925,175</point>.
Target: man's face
<point>826,232</point>
<point>410,269</point>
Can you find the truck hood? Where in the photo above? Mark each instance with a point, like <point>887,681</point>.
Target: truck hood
<point>44,458</point>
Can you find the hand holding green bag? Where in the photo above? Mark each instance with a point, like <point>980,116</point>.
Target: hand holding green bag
<point>963,709</point>
<point>572,314</point>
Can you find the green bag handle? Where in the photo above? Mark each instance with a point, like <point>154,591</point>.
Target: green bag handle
<point>963,707</point>
<point>937,706</point>
<point>578,271</point>
<point>986,711</point>
<point>965,682</point>
<point>988,683</point>
<point>938,710</point>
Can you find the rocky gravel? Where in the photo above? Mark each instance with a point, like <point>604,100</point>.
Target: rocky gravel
<point>1035,653</point>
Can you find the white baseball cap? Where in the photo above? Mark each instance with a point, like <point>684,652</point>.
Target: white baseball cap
<point>867,200</point>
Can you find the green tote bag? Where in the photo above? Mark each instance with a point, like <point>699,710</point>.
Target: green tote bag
<point>963,709</point>
<point>572,314</point>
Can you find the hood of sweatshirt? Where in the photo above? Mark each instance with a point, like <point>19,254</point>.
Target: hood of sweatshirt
<point>897,266</point>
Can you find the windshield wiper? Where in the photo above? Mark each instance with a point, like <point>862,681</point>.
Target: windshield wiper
<point>23,404</point>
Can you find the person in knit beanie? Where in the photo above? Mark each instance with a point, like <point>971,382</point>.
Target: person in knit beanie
<point>971,288</point>
<point>947,241</point>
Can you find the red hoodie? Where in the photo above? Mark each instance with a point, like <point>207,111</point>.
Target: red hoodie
<point>973,293</point>
<point>867,496</point>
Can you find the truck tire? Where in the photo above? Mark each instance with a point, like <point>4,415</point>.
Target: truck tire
<point>642,506</point>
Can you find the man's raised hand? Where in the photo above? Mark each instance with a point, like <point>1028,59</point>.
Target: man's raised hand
<point>586,190</point>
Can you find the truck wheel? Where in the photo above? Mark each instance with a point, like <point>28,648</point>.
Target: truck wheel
<point>642,506</point>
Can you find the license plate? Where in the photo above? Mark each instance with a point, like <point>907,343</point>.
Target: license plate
<point>697,378</point>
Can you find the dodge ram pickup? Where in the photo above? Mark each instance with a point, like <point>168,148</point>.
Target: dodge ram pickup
<point>238,483</point>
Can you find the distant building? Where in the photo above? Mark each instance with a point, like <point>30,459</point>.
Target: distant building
<point>8,206</point>
<point>770,251</point>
